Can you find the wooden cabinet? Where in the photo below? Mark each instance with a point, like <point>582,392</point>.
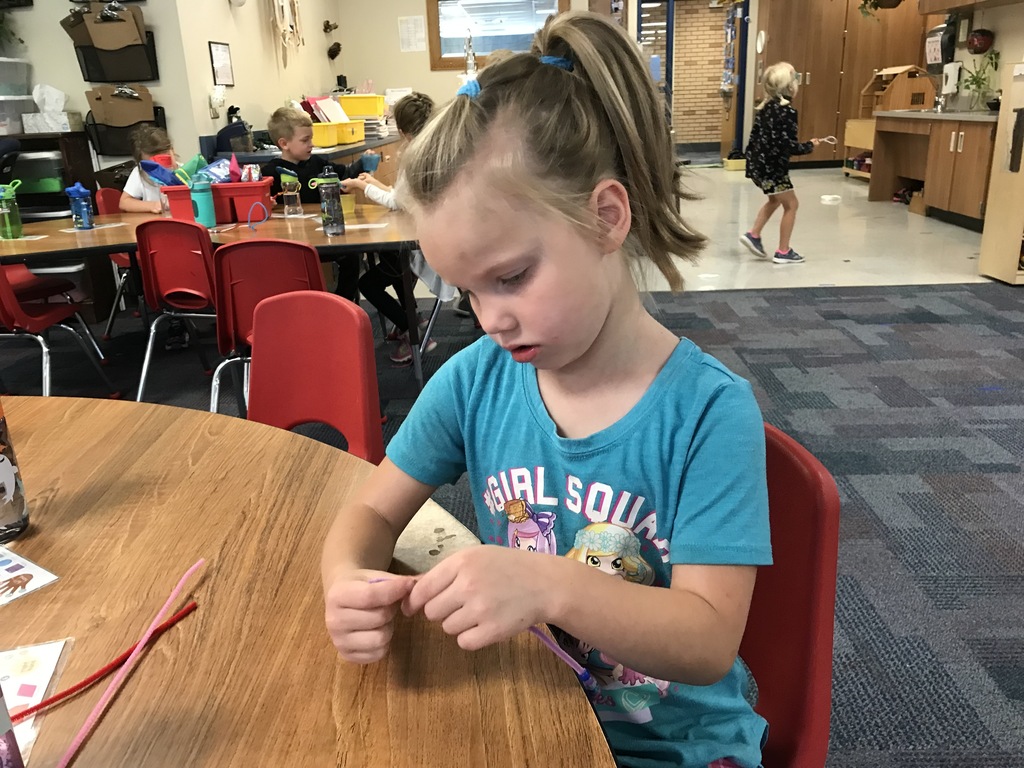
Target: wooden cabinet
<point>836,50</point>
<point>959,162</point>
<point>1002,242</point>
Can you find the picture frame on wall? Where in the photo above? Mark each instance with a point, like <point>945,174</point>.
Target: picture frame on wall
<point>220,61</point>
<point>964,25</point>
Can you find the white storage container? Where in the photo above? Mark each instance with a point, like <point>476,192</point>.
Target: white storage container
<point>11,110</point>
<point>14,78</point>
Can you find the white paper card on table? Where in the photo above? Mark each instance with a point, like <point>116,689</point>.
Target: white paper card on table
<point>72,230</point>
<point>32,237</point>
<point>27,676</point>
<point>303,216</point>
<point>19,576</point>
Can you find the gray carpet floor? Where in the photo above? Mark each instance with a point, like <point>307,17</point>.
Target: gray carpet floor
<point>913,397</point>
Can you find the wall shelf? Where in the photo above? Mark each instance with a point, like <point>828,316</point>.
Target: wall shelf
<point>133,63</point>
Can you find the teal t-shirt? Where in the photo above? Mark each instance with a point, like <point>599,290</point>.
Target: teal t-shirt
<point>680,479</point>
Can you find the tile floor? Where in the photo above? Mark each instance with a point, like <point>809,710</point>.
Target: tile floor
<point>852,243</point>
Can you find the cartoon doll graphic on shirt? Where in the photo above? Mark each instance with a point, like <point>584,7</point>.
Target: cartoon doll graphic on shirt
<point>529,529</point>
<point>625,694</point>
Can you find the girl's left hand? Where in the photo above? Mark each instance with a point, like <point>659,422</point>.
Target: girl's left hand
<point>484,594</point>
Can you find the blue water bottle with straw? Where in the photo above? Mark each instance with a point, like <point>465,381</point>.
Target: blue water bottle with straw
<point>81,206</point>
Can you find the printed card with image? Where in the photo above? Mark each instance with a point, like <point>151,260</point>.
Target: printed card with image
<point>19,576</point>
<point>27,676</point>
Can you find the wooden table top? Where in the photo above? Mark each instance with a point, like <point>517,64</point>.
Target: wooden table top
<point>372,227</point>
<point>124,497</point>
<point>74,244</point>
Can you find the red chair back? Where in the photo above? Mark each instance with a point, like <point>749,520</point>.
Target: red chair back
<point>313,361</point>
<point>247,272</point>
<point>108,201</point>
<point>788,640</point>
<point>12,316</point>
<point>176,260</point>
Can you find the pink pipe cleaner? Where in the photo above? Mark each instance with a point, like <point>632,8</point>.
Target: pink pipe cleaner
<point>122,673</point>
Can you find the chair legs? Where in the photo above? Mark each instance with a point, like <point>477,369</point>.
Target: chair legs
<point>95,363</point>
<point>215,384</point>
<point>187,318</point>
<point>430,326</point>
<point>122,281</point>
<point>45,349</point>
<point>89,335</point>
<point>149,354</point>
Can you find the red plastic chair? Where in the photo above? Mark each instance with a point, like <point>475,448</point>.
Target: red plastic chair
<point>176,260</point>
<point>313,361</point>
<point>245,273</point>
<point>788,640</point>
<point>31,287</point>
<point>31,320</point>
<point>108,201</point>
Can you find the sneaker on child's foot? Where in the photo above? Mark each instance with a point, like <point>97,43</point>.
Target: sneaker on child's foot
<point>397,335</point>
<point>753,244</point>
<point>403,352</point>
<point>789,257</point>
<point>177,336</point>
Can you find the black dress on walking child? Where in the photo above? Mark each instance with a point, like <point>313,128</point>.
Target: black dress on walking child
<point>773,140</point>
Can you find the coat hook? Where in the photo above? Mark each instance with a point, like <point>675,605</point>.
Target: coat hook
<point>329,26</point>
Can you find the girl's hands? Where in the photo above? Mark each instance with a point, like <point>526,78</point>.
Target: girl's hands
<point>484,594</point>
<point>360,612</point>
<point>347,185</point>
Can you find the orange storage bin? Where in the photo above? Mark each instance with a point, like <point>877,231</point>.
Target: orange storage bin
<point>179,199</point>
<point>232,201</point>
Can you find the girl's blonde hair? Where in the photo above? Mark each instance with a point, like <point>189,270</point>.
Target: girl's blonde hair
<point>549,134</point>
<point>778,81</point>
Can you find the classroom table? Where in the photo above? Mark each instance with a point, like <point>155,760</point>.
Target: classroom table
<point>124,497</point>
<point>371,228</point>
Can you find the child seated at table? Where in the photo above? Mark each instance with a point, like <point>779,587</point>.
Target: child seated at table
<point>411,113</point>
<point>291,130</point>
<point>140,194</point>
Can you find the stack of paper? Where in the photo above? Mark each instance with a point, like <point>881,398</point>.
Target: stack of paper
<point>376,128</point>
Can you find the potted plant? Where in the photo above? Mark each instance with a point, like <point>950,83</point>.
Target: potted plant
<point>868,7</point>
<point>976,81</point>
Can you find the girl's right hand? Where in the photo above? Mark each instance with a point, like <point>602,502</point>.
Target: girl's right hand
<point>361,607</point>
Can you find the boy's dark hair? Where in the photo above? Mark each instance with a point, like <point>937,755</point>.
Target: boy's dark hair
<point>412,112</point>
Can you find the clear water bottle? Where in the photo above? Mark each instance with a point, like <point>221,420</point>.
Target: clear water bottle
<point>330,202</point>
<point>290,188</point>
<point>13,507</point>
<point>10,214</point>
<point>10,755</point>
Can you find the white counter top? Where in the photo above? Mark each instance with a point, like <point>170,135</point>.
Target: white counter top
<point>917,114</point>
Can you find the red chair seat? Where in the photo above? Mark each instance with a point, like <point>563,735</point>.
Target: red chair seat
<point>38,317</point>
<point>31,287</point>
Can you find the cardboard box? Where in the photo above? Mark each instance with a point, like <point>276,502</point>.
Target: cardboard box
<point>52,122</point>
<point>87,29</point>
<point>917,204</point>
<point>118,111</point>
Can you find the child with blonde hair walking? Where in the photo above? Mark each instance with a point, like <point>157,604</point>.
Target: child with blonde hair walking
<point>773,140</point>
<point>617,471</point>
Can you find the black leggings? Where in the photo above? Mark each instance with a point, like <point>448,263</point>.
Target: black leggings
<point>374,282</point>
<point>348,278</point>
